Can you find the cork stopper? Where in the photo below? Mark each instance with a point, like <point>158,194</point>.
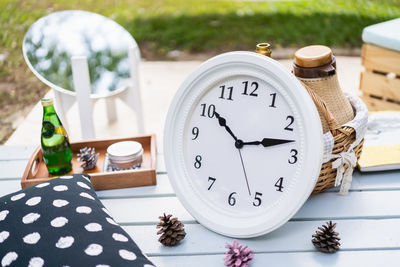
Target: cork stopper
<point>264,49</point>
<point>47,102</point>
<point>315,67</point>
<point>313,56</point>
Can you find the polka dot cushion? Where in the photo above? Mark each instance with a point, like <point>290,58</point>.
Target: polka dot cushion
<point>63,223</point>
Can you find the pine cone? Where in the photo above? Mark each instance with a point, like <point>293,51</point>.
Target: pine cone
<point>172,230</point>
<point>89,157</point>
<point>238,256</point>
<point>326,240</point>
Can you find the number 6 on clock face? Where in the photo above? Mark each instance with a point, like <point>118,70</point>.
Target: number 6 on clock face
<point>243,144</point>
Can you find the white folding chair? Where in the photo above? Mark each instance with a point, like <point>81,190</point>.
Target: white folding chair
<point>81,81</point>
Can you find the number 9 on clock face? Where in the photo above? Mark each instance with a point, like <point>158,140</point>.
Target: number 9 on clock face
<point>242,144</point>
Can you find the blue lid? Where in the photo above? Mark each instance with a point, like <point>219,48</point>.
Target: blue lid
<point>385,34</point>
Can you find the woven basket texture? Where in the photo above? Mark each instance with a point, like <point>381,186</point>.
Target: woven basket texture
<point>334,110</point>
<point>329,91</point>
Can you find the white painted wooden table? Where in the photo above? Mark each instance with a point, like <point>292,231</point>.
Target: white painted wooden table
<point>368,221</point>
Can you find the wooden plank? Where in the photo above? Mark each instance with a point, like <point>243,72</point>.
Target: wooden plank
<point>16,152</point>
<point>9,186</point>
<point>389,180</point>
<point>298,259</point>
<point>370,181</point>
<point>145,210</point>
<point>380,85</point>
<point>160,144</point>
<point>380,59</point>
<point>367,182</point>
<point>162,189</point>
<point>160,162</point>
<point>291,237</point>
<point>373,181</point>
<point>384,180</point>
<point>12,169</point>
<point>375,104</point>
<point>372,204</point>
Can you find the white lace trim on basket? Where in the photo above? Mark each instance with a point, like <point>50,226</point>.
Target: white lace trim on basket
<point>347,158</point>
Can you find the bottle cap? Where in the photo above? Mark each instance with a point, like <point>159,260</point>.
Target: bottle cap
<point>264,49</point>
<point>313,56</point>
<point>47,102</point>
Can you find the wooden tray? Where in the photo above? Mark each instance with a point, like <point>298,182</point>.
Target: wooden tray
<point>36,170</point>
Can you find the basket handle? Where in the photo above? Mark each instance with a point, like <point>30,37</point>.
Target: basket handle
<point>333,125</point>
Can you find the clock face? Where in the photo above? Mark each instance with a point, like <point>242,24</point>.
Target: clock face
<point>242,144</point>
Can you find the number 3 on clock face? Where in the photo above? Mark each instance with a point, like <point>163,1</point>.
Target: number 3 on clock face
<point>243,144</point>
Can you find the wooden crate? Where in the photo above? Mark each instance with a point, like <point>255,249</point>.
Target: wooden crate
<point>36,170</point>
<point>380,81</point>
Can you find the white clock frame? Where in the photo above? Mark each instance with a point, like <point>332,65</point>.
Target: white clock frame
<point>197,85</point>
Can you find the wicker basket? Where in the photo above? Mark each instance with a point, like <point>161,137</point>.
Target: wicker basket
<point>343,136</point>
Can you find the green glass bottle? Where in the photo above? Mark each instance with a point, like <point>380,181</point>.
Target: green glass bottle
<point>56,150</point>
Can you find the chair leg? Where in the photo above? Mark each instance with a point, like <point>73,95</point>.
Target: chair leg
<point>111,109</point>
<point>133,95</point>
<point>80,75</point>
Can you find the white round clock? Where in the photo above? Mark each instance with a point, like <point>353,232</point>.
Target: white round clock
<point>243,144</point>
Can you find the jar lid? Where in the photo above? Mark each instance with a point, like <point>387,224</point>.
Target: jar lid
<point>125,149</point>
<point>47,102</point>
<point>313,56</point>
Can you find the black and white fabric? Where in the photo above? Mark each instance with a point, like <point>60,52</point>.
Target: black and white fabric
<point>63,223</point>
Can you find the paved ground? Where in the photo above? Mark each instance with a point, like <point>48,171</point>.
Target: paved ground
<point>159,82</point>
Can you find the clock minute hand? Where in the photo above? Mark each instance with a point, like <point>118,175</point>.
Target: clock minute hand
<point>267,142</point>
<point>222,122</point>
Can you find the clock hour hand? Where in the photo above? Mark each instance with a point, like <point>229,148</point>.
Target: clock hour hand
<point>267,142</point>
<point>222,122</point>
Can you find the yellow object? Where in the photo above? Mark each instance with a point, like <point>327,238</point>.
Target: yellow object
<point>59,130</point>
<point>377,158</point>
<point>382,142</point>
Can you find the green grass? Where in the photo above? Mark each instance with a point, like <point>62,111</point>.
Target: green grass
<point>214,25</point>
<point>192,26</point>
<point>227,25</point>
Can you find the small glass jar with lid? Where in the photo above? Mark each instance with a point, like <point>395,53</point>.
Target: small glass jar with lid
<point>125,154</point>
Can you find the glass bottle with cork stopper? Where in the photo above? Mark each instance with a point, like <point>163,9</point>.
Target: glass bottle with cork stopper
<point>56,149</point>
<point>264,49</point>
<point>315,67</point>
